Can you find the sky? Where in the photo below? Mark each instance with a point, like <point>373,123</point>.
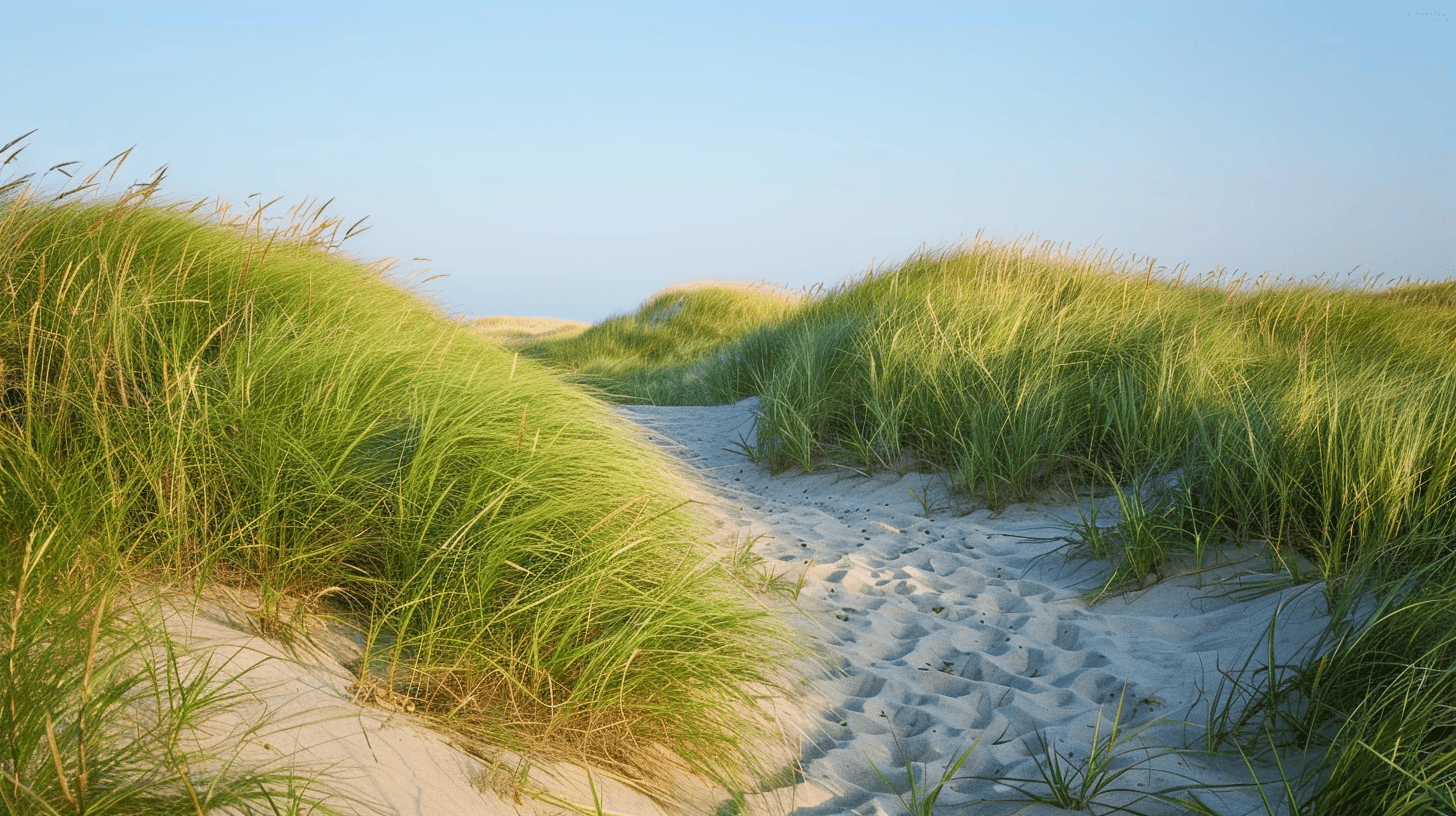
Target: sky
<point>568,159</point>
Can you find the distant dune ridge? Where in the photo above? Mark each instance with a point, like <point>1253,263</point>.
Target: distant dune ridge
<point>523,331</point>
<point>759,287</point>
<point>513,331</point>
<point>517,331</point>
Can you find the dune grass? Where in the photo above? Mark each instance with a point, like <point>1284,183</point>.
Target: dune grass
<point>97,713</point>
<point>189,399</point>
<point>1304,415</point>
<point>193,399</point>
<point>656,354</point>
<point>1313,418</point>
<point>514,332</point>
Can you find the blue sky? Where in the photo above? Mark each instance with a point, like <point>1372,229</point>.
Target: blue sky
<point>568,159</point>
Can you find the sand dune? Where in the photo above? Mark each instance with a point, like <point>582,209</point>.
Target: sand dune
<point>934,628</point>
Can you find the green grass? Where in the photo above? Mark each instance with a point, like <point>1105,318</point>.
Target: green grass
<point>1307,416</point>
<point>921,796</point>
<point>1314,419</point>
<point>656,354</point>
<point>189,399</point>
<point>515,332</point>
<point>1388,693</point>
<point>97,711</point>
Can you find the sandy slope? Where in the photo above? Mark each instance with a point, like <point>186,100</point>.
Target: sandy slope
<point>946,629</point>
<point>935,632</point>
<point>295,708</point>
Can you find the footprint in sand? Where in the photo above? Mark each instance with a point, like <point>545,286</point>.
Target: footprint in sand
<point>969,627</point>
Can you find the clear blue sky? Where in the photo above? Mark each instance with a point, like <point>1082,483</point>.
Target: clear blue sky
<point>570,158</point>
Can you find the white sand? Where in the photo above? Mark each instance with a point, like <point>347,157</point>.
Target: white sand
<point>953,628</point>
<point>294,709</point>
<point>936,631</point>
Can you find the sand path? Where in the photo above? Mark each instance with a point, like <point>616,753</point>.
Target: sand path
<point>946,627</point>
<point>937,623</point>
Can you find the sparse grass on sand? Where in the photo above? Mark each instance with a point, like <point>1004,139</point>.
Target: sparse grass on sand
<point>1317,419</point>
<point>193,399</point>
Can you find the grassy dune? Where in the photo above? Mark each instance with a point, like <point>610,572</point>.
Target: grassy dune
<point>188,402</point>
<point>514,332</point>
<point>1316,419</point>
<point>193,400</point>
<point>646,356</point>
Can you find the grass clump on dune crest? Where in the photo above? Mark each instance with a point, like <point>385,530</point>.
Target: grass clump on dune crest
<point>1312,418</point>
<point>191,402</point>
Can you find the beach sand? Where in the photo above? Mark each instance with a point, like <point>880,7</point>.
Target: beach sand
<point>960,626</point>
<point>934,624</point>
<point>294,707</point>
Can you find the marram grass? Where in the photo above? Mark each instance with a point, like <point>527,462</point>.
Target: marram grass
<point>1308,416</point>
<point>189,402</point>
<point>1316,419</point>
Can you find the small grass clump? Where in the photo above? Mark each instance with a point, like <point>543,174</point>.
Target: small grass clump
<point>193,400</point>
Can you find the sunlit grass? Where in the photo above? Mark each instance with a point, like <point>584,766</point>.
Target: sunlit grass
<point>515,332</point>
<point>1314,419</point>
<point>656,354</point>
<point>192,398</point>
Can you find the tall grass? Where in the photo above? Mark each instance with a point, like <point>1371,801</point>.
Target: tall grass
<point>1384,698</point>
<point>1305,415</point>
<point>1313,418</point>
<point>192,399</point>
